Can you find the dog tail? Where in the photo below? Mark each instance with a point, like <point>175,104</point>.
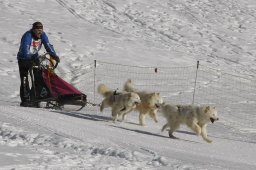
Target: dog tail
<point>128,86</point>
<point>104,90</point>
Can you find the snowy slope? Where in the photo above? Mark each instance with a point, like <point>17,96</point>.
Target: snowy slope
<point>164,33</point>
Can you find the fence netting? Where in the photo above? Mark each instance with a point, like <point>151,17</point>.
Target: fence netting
<point>233,95</point>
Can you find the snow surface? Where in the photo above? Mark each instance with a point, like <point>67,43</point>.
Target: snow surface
<point>135,32</point>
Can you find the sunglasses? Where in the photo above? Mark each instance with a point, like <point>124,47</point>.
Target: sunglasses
<point>38,27</point>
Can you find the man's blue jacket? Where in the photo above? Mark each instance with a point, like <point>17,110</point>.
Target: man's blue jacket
<point>25,52</point>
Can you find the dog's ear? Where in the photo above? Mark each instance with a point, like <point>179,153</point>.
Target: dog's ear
<point>155,94</point>
<point>207,109</point>
<point>162,104</point>
<point>152,95</point>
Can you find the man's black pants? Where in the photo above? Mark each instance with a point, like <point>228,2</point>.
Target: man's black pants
<point>24,67</point>
<point>32,91</point>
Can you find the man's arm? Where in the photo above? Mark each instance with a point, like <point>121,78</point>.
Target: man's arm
<point>24,51</point>
<point>48,47</point>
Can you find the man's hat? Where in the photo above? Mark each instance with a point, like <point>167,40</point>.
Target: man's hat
<point>37,25</point>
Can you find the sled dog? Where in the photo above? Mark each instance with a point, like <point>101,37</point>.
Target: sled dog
<point>150,102</point>
<point>120,102</point>
<point>195,117</point>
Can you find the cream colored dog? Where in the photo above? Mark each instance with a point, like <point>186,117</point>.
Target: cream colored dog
<point>120,102</point>
<point>150,102</point>
<point>195,117</point>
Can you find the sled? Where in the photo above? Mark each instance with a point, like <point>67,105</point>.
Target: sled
<point>48,90</point>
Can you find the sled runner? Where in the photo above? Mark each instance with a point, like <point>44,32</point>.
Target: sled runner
<point>49,89</point>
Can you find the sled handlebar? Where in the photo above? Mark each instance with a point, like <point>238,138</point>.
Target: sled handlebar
<point>51,64</point>
<point>55,66</point>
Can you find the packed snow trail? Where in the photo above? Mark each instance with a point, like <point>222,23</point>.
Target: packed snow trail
<point>80,139</point>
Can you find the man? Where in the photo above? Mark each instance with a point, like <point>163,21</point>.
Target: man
<point>31,43</point>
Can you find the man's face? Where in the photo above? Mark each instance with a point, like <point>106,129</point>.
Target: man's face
<point>37,32</point>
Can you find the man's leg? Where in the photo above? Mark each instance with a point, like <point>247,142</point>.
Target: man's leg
<point>24,84</point>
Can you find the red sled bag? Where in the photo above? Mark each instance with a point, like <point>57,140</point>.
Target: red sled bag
<point>61,90</point>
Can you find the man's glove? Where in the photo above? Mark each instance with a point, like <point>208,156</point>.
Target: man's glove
<point>56,58</point>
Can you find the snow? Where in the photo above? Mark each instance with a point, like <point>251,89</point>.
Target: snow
<point>167,33</point>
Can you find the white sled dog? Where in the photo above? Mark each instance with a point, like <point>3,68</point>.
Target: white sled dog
<point>195,117</point>
<point>150,102</point>
<point>120,102</point>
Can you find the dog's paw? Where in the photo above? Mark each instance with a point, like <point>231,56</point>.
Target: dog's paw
<point>208,140</point>
<point>114,119</point>
<point>172,137</point>
<point>101,108</point>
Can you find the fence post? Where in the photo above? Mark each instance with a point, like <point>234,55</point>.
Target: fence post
<point>197,66</point>
<point>94,80</point>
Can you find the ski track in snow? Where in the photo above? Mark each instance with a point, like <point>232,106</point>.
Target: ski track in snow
<point>49,141</point>
<point>49,151</point>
